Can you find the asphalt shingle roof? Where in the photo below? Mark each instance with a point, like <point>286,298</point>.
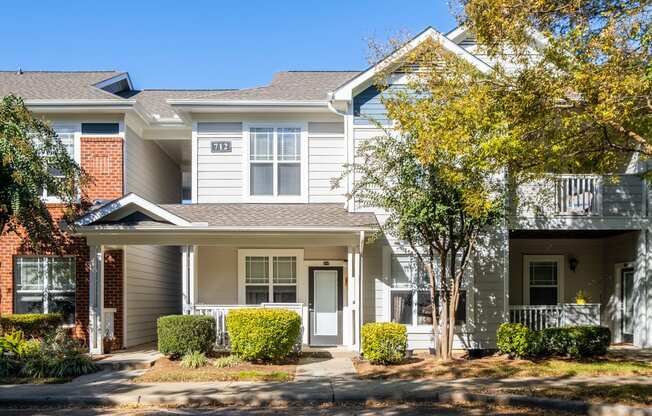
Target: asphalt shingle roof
<point>53,85</point>
<point>273,215</point>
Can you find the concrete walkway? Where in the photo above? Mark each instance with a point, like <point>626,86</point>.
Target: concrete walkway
<point>326,365</point>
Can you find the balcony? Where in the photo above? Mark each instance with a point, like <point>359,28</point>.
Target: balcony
<point>581,196</point>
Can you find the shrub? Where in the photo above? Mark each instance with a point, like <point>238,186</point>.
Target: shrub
<point>182,334</point>
<point>72,364</point>
<point>194,359</point>
<point>555,341</point>
<point>33,325</point>
<point>384,342</point>
<point>228,361</point>
<point>263,334</point>
<point>517,340</point>
<point>588,341</point>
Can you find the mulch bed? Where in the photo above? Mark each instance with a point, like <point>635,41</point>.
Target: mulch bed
<point>166,370</point>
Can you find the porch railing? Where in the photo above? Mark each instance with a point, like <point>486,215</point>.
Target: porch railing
<point>219,312</point>
<point>539,317</point>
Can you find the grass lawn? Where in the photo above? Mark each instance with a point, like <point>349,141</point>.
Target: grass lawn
<point>627,394</point>
<point>31,380</point>
<point>426,366</point>
<point>165,370</point>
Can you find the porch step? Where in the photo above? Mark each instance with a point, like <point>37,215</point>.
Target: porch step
<point>131,359</point>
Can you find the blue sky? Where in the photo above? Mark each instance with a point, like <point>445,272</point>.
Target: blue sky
<point>205,44</point>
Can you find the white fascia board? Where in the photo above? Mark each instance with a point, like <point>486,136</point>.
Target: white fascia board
<point>457,34</point>
<point>113,80</point>
<point>202,227</point>
<point>346,91</point>
<point>131,198</point>
<point>64,106</point>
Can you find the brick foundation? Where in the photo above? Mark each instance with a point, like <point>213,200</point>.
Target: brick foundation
<point>101,158</point>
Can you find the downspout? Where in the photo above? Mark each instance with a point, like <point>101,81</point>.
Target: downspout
<point>334,110</point>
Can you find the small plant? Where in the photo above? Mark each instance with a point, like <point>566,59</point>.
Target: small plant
<point>263,334</point>
<point>384,342</point>
<point>182,334</point>
<point>581,298</point>
<point>226,362</point>
<point>194,359</point>
<point>72,364</point>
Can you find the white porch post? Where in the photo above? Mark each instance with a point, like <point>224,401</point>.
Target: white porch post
<point>359,291</point>
<point>189,276</point>
<point>96,300</point>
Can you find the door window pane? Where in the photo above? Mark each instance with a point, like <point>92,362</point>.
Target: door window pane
<point>257,294</point>
<point>402,307</point>
<point>289,179</point>
<point>285,294</point>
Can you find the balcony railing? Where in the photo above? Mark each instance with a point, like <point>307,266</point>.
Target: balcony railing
<point>539,317</point>
<point>219,312</point>
<point>578,194</point>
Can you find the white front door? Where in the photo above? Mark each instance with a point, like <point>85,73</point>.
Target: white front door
<point>326,306</point>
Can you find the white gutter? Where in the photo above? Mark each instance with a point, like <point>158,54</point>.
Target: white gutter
<point>80,102</point>
<point>247,103</point>
<point>193,229</point>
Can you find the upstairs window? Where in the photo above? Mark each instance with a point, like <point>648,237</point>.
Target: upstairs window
<point>67,136</point>
<point>275,161</point>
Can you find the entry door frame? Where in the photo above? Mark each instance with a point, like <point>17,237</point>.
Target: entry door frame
<point>618,332</point>
<point>326,340</point>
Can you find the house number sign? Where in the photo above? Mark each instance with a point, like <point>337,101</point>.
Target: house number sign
<point>220,147</point>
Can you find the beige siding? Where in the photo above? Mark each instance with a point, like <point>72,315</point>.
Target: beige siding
<point>153,289</point>
<point>326,156</point>
<point>218,275</point>
<point>219,175</point>
<point>152,273</point>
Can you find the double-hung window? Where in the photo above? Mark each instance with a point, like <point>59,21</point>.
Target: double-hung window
<point>275,161</point>
<point>45,285</point>
<point>270,279</point>
<point>544,279</point>
<point>67,136</point>
<point>410,302</point>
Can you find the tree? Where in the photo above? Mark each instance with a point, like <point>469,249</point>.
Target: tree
<point>33,161</point>
<point>581,98</point>
<point>439,199</point>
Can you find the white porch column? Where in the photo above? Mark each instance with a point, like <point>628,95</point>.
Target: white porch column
<point>189,276</point>
<point>96,300</point>
<point>358,295</point>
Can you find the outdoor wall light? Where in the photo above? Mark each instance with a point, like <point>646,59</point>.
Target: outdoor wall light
<point>573,263</point>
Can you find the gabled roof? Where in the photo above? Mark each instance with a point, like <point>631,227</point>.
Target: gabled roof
<point>354,85</point>
<point>57,85</point>
<point>131,212</point>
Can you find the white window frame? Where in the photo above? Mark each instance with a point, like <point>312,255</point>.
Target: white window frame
<point>531,258</point>
<point>388,256</point>
<point>270,254</point>
<point>46,291</point>
<point>246,147</point>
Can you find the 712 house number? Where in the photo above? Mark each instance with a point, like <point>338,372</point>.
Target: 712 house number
<point>220,147</point>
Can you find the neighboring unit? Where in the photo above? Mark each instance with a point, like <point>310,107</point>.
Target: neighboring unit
<point>210,200</point>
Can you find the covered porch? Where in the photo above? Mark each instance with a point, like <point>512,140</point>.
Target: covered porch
<point>578,277</point>
<point>307,258</point>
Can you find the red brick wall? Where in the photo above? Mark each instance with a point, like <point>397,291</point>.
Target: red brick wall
<point>113,290</point>
<point>101,157</point>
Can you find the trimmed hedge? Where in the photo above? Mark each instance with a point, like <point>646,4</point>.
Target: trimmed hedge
<point>182,334</point>
<point>577,342</point>
<point>384,342</point>
<point>33,325</point>
<point>263,334</point>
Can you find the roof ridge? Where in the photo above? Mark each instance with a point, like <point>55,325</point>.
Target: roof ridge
<point>62,71</point>
<point>189,89</point>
